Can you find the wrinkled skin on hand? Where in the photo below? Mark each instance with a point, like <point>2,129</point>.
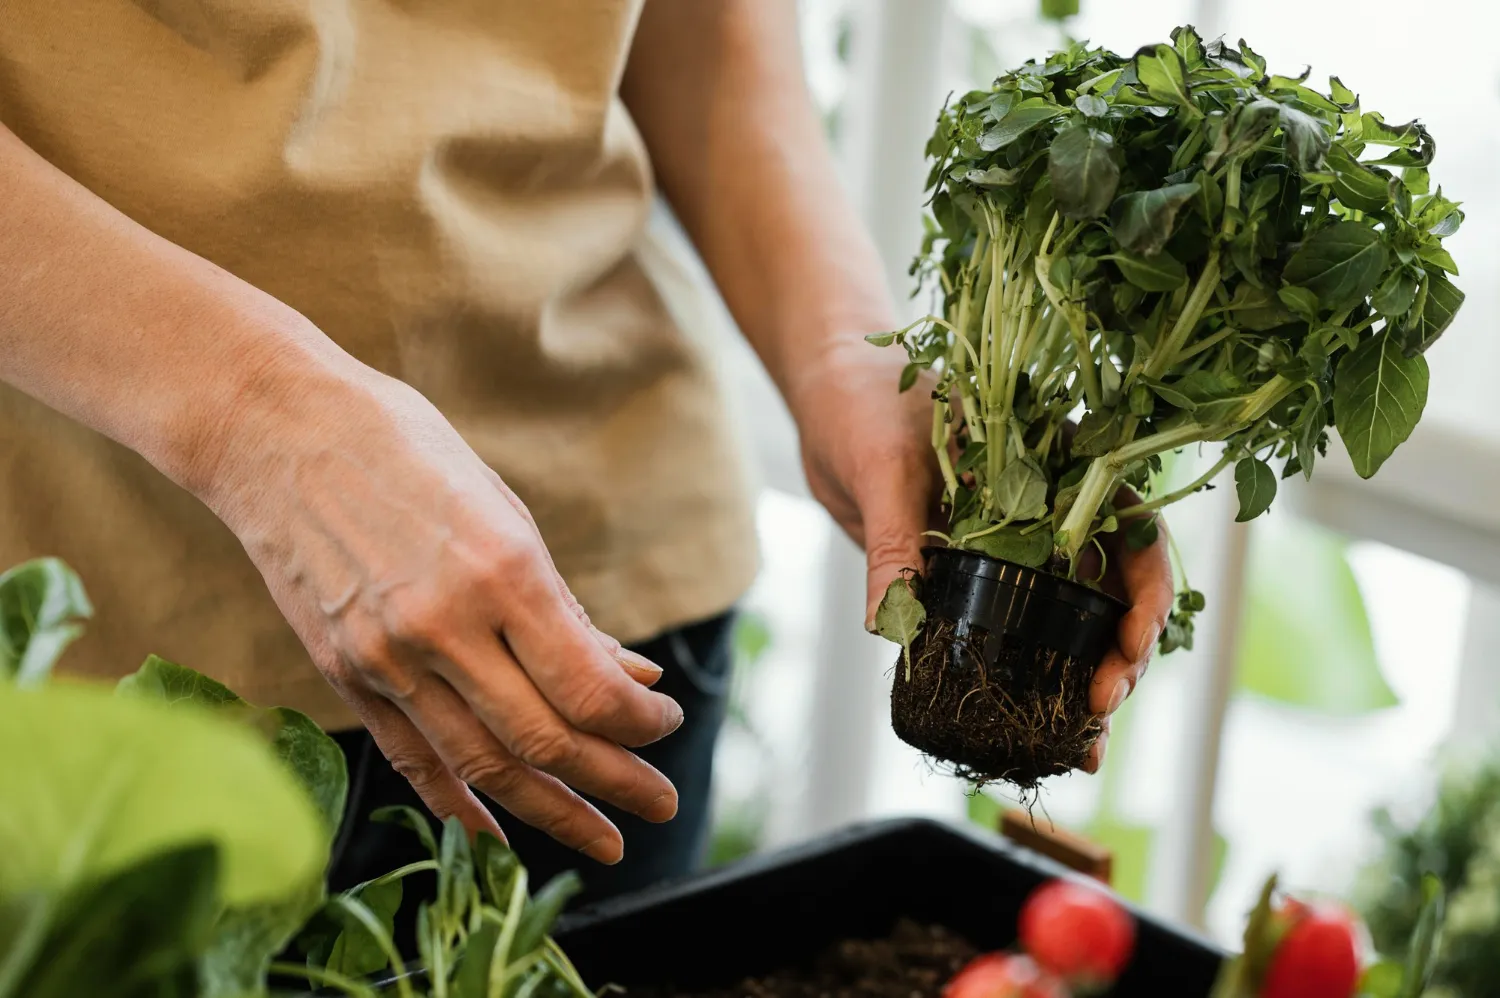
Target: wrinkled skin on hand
<point>868,456</point>
<point>419,584</point>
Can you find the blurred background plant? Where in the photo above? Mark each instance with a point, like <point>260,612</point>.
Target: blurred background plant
<point>1458,838</point>
<point>743,786</point>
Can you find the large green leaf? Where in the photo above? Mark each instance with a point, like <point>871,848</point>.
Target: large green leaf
<point>1341,264</point>
<point>1378,397</point>
<point>42,606</point>
<point>94,783</point>
<point>1143,220</point>
<point>1305,640</point>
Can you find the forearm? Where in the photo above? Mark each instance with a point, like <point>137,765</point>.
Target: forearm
<point>717,89</point>
<point>132,335</point>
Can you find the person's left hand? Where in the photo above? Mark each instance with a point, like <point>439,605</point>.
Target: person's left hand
<point>868,457</point>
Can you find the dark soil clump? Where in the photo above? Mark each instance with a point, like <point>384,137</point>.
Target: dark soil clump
<point>914,961</point>
<point>995,710</point>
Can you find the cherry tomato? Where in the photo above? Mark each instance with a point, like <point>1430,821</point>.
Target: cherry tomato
<point>1079,933</point>
<point>1004,975</point>
<point>1318,957</point>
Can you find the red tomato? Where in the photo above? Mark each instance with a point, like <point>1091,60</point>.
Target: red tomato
<point>1318,957</point>
<point>1079,933</point>
<point>1003,975</point>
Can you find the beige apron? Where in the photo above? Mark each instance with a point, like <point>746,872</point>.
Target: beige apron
<point>453,191</point>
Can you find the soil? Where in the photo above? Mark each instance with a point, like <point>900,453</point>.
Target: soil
<point>914,961</point>
<point>1018,719</point>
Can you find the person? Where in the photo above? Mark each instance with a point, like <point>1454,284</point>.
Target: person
<point>331,362</point>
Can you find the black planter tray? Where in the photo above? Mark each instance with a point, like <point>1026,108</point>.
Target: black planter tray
<point>777,910</point>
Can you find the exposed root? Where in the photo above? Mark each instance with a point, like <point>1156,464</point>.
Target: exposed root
<point>1029,717</point>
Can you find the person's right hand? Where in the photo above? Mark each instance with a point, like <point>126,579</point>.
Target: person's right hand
<point>419,584</point>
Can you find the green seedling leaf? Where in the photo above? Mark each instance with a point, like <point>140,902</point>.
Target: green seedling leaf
<point>1255,483</point>
<point>881,339</point>
<point>1423,954</point>
<point>542,911</point>
<point>1341,264</point>
<point>1396,294</point>
<point>473,980</point>
<point>455,871</point>
<point>1301,301</point>
<point>900,616</point>
<point>1161,272</point>
<point>1098,432</point>
<point>246,940</point>
<point>993,177</point>
<point>1083,171</point>
<point>1356,185</point>
<point>42,609</point>
<point>1143,221</point>
<point>1022,490</point>
<point>1438,257</point>
<point>412,820</point>
<point>357,950</point>
<point>1378,397</point>
<point>1141,533</point>
<point>497,866</point>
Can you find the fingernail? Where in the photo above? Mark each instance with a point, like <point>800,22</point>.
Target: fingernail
<point>663,808</point>
<point>643,668</point>
<point>605,849</point>
<point>674,718</point>
<point>1148,642</point>
<point>1122,690</point>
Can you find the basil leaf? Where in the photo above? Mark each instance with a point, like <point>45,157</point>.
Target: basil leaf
<point>1378,397</point>
<point>1341,264</point>
<point>1083,171</point>
<point>1161,272</point>
<point>1255,484</point>
<point>1143,220</point>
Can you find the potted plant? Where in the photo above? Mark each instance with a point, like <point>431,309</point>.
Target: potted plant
<point>1133,255</point>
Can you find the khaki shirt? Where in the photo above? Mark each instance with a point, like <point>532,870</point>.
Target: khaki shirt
<point>453,191</point>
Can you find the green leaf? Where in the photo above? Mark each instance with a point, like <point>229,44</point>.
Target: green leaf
<point>1021,491</point>
<point>1143,220</point>
<point>146,778</point>
<point>909,375</point>
<point>1019,120</point>
<point>413,820</point>
<point>1161,71</point>
<point>1083,171</point>
<point>881,339</point>
<point>358,952</point>
<point>302,746</point>
<point>473,980</point>
<point>900,616</point>
<point>1396,294</point>
<point>992,177</point>
<point>496,865</point>
<point>1378,397</point>
<point>1255,484</point>
<point>1091,106</point>
<point>1356,185</point>
<point>1341,264</point>
<point>1059,10</point>
<point>542,911</point>
<point>1098,432</point>
<point>1171,394</point>
<point>1441,304</point>
<point>455,870</point>
<point>42,606</point>
<point>1300,300</point>
<point>136,932</point>
<point>1305,640</point>
<point>1438,257</point>
<point>1306,139</point>
<point>1009,544</point>
<point>246,940</point>
<point>1422,957</point>
<point>1161,272</point>
<point>1141,533</point>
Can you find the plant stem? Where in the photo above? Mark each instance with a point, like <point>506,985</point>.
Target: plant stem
<point>324,977</point>
<point>1206,343</point>
<point>1142,508</point>
<point>1187,320</point>
<point>940,445</point>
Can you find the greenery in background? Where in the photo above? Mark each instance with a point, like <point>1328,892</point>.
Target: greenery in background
<point>168,840</point>
<point>739,823</point>
<point>1189,248</point>
<point>1459,839</point>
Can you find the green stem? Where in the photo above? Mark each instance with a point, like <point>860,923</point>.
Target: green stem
<point>940,445</point>
<point>323,977</point>
<point>1187,320</point>
<point>1140,509</point>
<point>1206,343</point>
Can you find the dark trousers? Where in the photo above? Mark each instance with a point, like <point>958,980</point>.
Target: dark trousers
<point>696,663</point>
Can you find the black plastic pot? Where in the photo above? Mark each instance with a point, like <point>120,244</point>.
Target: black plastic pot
<point>999,685</point>
<point>776,911</point>
<point>1003,601</point>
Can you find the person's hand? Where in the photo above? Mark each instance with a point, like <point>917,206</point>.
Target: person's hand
<point>868,457</point>
<point>422,589</point>
<point>1142,579</point>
